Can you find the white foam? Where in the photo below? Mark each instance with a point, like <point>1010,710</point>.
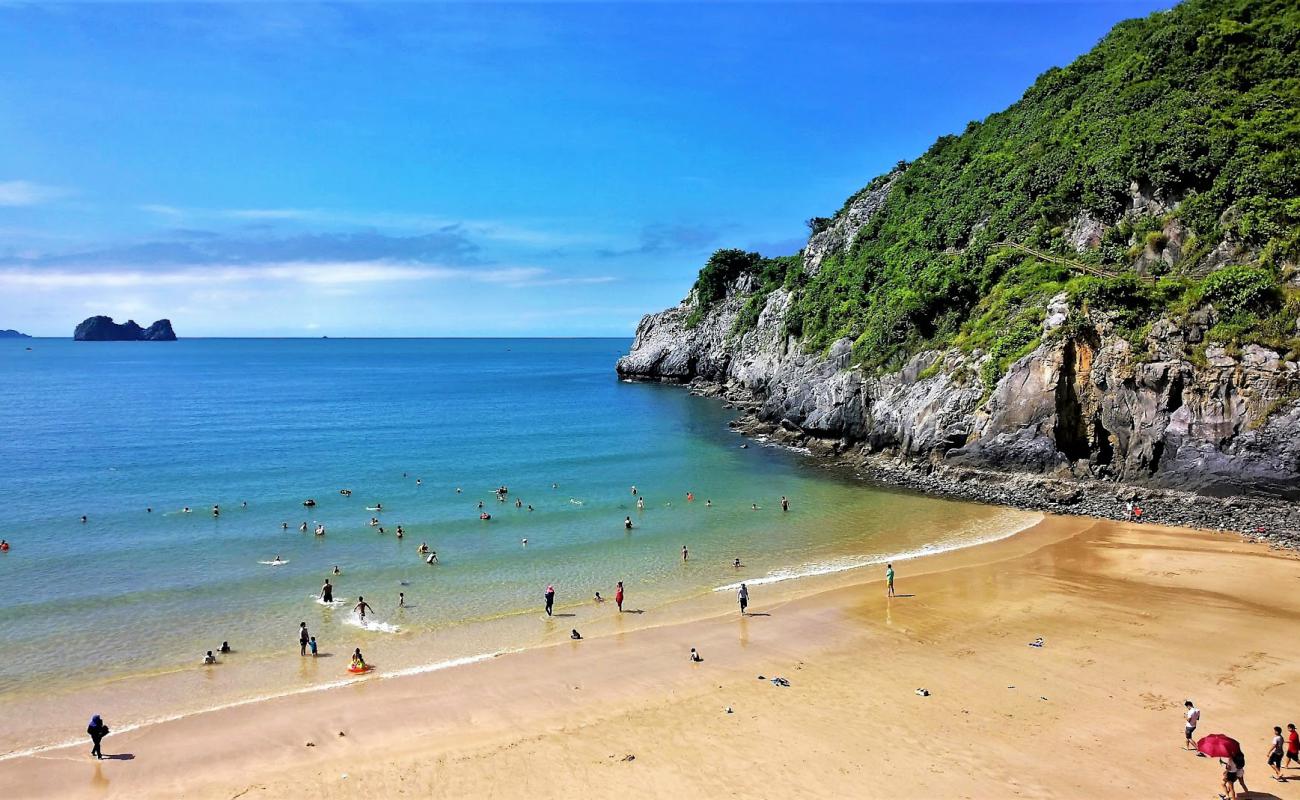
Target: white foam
<point>329,604</point>
<point>320,687</point>
<point>275,563</point>
<point>374,625</point>
<point>845,563</point>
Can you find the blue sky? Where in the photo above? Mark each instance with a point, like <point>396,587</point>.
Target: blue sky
<point>461,170</point>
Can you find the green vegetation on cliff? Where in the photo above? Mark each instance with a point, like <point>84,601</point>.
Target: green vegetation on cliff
<point>1156,173</point>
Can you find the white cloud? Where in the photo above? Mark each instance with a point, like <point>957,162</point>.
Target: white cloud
<point>26,193</point>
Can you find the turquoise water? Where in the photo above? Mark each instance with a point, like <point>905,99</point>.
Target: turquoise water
<point>111,429</point>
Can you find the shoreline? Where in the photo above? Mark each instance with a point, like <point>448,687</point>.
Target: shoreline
<point>567,695</point>
<point>1263,518</point>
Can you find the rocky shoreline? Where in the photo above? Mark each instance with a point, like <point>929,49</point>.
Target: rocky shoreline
<point>1262,519</point>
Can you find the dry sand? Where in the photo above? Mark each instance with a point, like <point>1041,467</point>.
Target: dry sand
<point>1134,618</point>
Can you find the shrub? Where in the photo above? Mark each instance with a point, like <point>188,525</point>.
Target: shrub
<point>1233,290</point>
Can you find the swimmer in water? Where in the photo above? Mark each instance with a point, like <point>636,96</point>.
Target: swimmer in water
<point>209,658</point>
<point>327,592</point>
<point>374,521</point>
<point>244,504</point>
<point>754,506</point>
<point>432,559</point>
<point>320,530</point>
<point>685,553</point>
<point>303,527</point>
<point>598,598</point>
<point>485,515</point>
<point>640,504</point>
<point>83,519</point>
<point>381,528</point>
<point>418,482</point>
<point>627,523</point>
<point>148,510</point>
<point>225,647</point>
<point>519,503</point>
<point>530,506</point>
<point>400,532</point>
<point>337,571</point>
<point>423,548</point>
<point>785,504</point>
<point>708,504</point>
<point>185,510</point>
<point>216,511</point>
<point>633,490</point>
<point>480,504</point>
<point>284,526</point>
<point>457,490</point>
<point>362,607</point>
<point>523,542</point>
<point>736,563</point>
<point>4,546</point>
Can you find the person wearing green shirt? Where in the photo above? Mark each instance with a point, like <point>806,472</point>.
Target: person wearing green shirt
<point>889,578</point>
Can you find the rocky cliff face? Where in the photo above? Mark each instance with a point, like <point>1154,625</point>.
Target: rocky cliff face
<point>103,329</point>
<point>1086,403</point>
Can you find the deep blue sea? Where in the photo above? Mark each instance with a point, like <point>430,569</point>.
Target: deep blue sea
<point>121,607</point>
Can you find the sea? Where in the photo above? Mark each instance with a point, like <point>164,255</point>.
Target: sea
<point>113,614</point>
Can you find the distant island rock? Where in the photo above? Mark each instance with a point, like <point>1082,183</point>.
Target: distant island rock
<point>103,329</point>
<point>12,334</point>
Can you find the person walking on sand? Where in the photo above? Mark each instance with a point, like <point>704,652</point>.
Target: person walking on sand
<point>618,595</point>
<point>362,607</point>
<point>550,599</point>
<point>1292,745</point>
<point>303,638</point>
<point>1275,753</point>
<point>889,580</point>
<point>1192,715</point>
<point>97,730</point>
<point>742,594</point>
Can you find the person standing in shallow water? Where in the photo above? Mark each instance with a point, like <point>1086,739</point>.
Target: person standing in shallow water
<point>97,730</point>
<point>550,599</point>
<point>785,504</point>
<point>303,638</point>
<point>618,595</point>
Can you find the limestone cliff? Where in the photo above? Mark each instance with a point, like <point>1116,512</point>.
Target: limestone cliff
<point>103,329</point>
<point>1086,402</point>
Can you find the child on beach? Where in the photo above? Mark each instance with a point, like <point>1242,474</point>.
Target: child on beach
<point>209,658</point>
<point>311,645</point>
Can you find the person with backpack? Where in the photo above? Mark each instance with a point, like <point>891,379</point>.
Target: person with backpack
<point>97,730</point>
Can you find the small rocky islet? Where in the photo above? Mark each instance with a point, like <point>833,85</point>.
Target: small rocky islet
<point>104,329</point>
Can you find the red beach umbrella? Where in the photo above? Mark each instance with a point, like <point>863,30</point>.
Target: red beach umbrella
<point>1218,745</point>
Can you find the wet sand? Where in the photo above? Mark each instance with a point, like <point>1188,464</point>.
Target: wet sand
<point>1134,618</point>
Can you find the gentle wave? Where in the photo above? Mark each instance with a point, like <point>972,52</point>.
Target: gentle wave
<point>846,563</point>
<point>320,687</point>
<point>373,625</point>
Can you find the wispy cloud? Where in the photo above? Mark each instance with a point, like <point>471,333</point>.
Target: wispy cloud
<point>186,246</point>
<point>337,274</point>
<point>161,210</point>
<point>661,239</point>
<point>26,193</point>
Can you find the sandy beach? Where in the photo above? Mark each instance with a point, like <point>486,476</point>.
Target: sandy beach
<point>1134,620</point>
